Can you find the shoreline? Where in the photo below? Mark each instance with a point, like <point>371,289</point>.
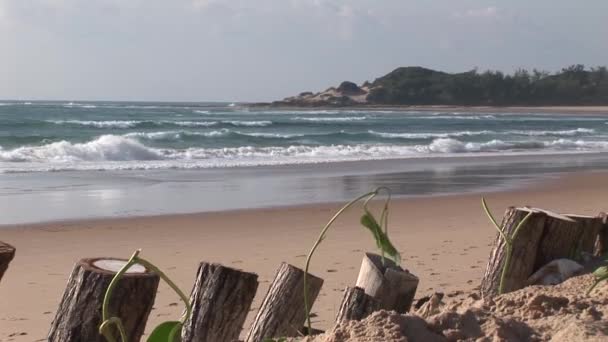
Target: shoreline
<point>445,240</point>
<point>548,180</point>
<point>429,177</point>
<point>598,110</point>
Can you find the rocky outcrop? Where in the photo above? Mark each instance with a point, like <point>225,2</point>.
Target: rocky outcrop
<point>346,94</point>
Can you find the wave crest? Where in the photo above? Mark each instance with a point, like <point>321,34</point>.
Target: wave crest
<point>112,148</point>
<point>104,148</point>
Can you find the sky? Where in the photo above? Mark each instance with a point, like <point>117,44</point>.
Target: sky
<point>261,50</point>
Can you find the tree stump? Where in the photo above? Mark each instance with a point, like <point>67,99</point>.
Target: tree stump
<point>525,247</point>
<point>393,287</point>
<point>282,311</point>
<point>220,300</point>
<point>356,305</point>
<point>559,239</point>
<point>590,237</point>
<point>79,314</point>
<point>7,253</point>
<point>545,237</point>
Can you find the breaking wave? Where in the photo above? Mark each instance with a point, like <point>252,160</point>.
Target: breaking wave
<point>104,152</point>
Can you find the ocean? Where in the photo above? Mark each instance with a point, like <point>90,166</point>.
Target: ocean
<point>94,159</point>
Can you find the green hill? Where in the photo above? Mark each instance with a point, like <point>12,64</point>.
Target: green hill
<point>574,85</point>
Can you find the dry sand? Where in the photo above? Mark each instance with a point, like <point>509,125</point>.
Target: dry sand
<point>556,313</point>
<point>445,240</point>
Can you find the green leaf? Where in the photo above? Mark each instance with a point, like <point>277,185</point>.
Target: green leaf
<point>166,332</point>
<point>601,272</point>
<point>382,240</point>
<point>369,222</point>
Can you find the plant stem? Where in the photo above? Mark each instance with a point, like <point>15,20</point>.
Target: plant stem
<point>314,247</point>
<point>171,284</point>
<point>135,259</point>
<point>508,242</point>
<point>489,214</point>
<point>505,268</point>
<point>106,302</point>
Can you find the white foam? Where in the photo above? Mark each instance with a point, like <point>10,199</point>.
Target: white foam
<point>332,119</point>
<point>111,152</point>
<point>429,135</point>
<point>249,123</point>
<point>569,132</point>
<point>165,135</point>
<point>453,116</point>
<point>79,105</point>
<point>99,124</point>
<point>132,123</point>
<point>270,135</point>
<point>104,148</point>
<point>191,123</point>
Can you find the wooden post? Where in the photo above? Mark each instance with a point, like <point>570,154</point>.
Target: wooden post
<point>220,299</point>
<point>79,314</point>
<point>393,287</point>
<point>559,240</point>
<point>545,237</point>
<point>356,305</point>
<point>591,230</point>
<point>525,248</point>
<point>282,311</point>
<point>601,243</point>
<point>7,253</point>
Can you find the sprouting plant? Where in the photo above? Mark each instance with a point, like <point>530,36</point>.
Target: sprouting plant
<point>508,241</point>
<point>378,229</point>
<point>601,274</point>
<point>165,332</point>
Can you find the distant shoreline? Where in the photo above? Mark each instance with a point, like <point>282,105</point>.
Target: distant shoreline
<point>601,110</point>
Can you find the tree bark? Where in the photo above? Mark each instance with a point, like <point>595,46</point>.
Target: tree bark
<point>601,244</point>
<point>559,239</point>
<point>7,253</point>
<point>79,314</point>
<point>220,299</point>
<point>592,228</point>
<point>525,247</point>
<point>356,305</point>
<point>393,287</point>
<point>282,311</point>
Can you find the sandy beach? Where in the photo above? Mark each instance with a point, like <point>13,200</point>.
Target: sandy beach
<point>445,240</point>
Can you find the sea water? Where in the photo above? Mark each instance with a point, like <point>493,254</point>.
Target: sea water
<point>88,159</point>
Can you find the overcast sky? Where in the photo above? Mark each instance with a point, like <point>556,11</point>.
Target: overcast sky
<point>254,50</point>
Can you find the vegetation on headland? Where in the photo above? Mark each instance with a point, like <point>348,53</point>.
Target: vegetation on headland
<point>573,85</point>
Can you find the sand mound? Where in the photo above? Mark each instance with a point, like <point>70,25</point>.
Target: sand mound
<point>536,313</point>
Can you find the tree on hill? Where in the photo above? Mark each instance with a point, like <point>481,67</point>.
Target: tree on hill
<point>573,85</point>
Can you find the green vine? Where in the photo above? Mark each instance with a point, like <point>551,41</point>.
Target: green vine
<point>508,241</point>
<point>167,331</point>
<point>600,274</point>
<point>378,230</point>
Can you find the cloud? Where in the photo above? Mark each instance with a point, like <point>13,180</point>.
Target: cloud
<point>487,12</point>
